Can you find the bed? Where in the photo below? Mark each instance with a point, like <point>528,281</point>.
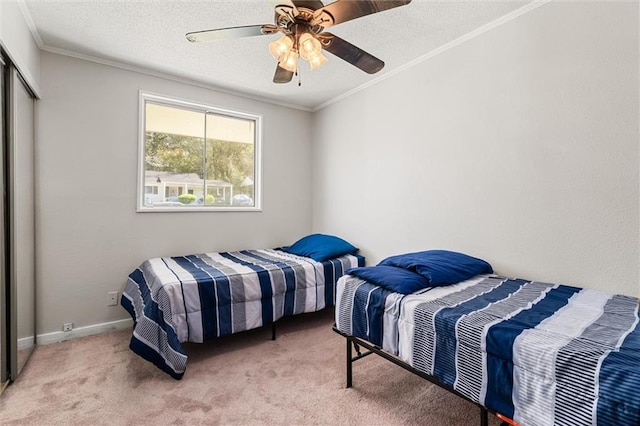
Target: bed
<point>534,353</point>
<point>198,297</point>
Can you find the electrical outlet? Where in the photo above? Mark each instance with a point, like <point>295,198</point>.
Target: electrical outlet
<point>67,326</point>
<point>112,298</point>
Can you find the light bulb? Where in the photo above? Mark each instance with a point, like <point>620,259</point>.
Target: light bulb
<point>317,60</point>
<point>308,46</point>
<point>280,47</point>
<point>290,61</point>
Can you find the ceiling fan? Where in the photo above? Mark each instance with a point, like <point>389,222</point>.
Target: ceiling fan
<point>302,24</point>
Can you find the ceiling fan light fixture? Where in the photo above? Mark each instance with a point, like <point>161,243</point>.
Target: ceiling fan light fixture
<point>290,61</point>
<point>281,47</point>
<point>302,24</point>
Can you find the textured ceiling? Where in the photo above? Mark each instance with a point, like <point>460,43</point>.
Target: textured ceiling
<point>151,35</point>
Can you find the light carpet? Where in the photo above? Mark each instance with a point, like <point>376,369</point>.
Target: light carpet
<point>298,379</point>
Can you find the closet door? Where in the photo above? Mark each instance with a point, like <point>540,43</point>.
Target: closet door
<point>4,330</point>
<point>21,212</point>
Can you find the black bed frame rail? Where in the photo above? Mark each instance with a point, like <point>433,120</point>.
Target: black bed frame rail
<point>356,342</point>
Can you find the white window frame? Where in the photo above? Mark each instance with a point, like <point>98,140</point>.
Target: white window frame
<point>195,106</point>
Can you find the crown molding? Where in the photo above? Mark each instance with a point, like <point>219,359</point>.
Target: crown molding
<point>30,23</point>
<point>171,77</point>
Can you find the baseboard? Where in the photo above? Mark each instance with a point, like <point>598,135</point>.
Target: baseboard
<point>61,336</point>
<point>26,343</point>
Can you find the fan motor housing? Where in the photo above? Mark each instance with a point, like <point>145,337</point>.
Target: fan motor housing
<point>285,19</point>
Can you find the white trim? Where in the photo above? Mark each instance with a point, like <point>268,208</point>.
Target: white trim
<point>204,109</point>
<point>478,31</point>
<point>171,77</point>
<point>26,342</point>
<point>141,142</point>
<point>30,23</point>
<point>62,336</point>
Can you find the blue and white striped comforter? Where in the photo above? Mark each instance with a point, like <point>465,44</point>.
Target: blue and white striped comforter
<point>194,298</point>
<point>541,354</point>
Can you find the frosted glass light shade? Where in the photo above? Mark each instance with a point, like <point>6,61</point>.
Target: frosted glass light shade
<point>290,61</point>
<point>280,47</point>
<point>308,46</point>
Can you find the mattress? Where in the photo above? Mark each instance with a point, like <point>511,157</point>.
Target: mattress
<point>539,353</point>
<point>194,298</point>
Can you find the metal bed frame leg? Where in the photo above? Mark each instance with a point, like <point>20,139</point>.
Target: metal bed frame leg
<point>273,330</point>
<point>349,364</point>
<point>484,417</point>
<point>355,343</point>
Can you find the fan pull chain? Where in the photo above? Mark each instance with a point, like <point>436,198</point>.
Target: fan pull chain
<point>299,81</point>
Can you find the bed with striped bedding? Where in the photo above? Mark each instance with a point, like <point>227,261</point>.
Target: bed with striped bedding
<point>538,353</point>
<point>194,298</point>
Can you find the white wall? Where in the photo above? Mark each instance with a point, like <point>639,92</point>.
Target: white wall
<point>89,234</point>
<point>19,44</point>
<point>519,146</point>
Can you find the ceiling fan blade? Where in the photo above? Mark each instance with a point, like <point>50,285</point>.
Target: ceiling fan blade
<point>282,75</point>
<point>350,53</point>
<point>346,10</point>
<point>309,4</point>
<point>232,32</point>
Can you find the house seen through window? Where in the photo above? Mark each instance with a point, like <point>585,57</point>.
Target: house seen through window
<point>196,157</point>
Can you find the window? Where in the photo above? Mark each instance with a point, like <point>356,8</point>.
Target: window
<point>197,157</point>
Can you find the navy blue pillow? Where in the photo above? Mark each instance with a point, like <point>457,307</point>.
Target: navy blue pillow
<point>394,279</point>
<point>440,267</point>
<point>321,247</point>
